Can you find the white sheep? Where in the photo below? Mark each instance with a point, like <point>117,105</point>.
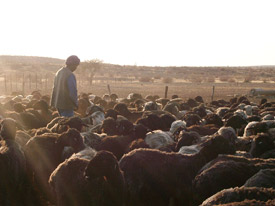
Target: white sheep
<point>158,139</point>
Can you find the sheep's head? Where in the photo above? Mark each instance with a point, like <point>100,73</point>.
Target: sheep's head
<point>8,128</point>
<point>111,113</point>
<point>109,126</point>
<point>187,139</point>
<point>260,144</point>
<point>93,108</point>
<point>213,119</point>
<point>191,119</point>
<point>229,133</point>
<point>121,108</point>
<point>104,164</point>
<point>72,138</point>
<point>18,107</point>
<point>140,131</point>
<point>74,122</point>
<point>124,127</point>
<point>41,105</point>
<point>216,145</point>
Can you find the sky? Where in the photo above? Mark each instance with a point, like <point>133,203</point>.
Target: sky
<point>142,32</point>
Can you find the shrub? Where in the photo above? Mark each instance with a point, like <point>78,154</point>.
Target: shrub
<point>231,80</point>
<point>247,79</point>
<point>210,79</point>
<point>146,79</point>
<point>167,80</point>
<point>223,79</point>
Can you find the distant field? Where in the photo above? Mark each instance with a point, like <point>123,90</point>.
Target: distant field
<point>25,74</point>
<point>184,90</point>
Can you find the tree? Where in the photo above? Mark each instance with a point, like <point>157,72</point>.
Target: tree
<point>91,67</point>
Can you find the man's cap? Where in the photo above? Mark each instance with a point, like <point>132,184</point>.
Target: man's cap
<point>72,60</point>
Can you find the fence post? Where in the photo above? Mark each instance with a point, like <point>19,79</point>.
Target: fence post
<point>46,82</point>
<point>23,84</point>
<point>213,92</point>
<point>6,84</point>
<point>166,92</point>
<point>11,82</point>
<point>36,81</point>
<point>109,89</point>
<point>30,82</point>
<point>16,82</point>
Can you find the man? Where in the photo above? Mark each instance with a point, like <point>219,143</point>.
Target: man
<point>64,94</point>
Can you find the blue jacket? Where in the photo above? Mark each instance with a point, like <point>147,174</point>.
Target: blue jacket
<point>64,94</point>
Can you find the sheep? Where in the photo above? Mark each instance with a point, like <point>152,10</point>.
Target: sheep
<point>92,139</point>
<point>213,119</point>
<point>187,139</point>
<point>167,177</point>
<point>167,120</point>
<point>264,178</point>
<point>138,143</point>
<point>22,138</point>
<point>242,194</point>
<point>27,119</point>
<point>123,110</point>
<point>44,152</point>
<point>261,143</point>
<point>13,166</point>
<point>199,99</point>
<point>177,126</point>
<point>173,108</point>
<point>192,149</point>
<point>96,180</point>
<point>64,123</point>
<point>192,103</point>
<point>109,126</point>
<point>203,129</point>
<point>191,119</point>
<point>151,105</point>
<point>200,110</point>
<point>252,128</point>
<point>83,104</point>
<point>213,177</point>
<point>151,121</point>
<point>229,133</point>
<point>158,139</point>
<point>119,144</point>
<point>43,109</point>
<point>94,119</point>
<point>236,122</point>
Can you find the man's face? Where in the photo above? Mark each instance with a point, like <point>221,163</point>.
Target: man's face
<point>73,67</point>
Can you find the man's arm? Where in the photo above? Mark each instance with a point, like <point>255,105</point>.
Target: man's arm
<point>73,89</point>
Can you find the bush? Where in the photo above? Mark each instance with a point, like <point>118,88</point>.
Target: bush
<point>231,80</point>
<point>210,79</point>
<point>247,79</point>
<point>196,79</point>
<point>146,79</point>
<point>223,79</point>
<point>167,80</point>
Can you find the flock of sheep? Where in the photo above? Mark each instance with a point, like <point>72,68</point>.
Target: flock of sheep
<point>137,151</point>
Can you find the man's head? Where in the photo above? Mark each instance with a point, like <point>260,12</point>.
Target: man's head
<point>72,62</point>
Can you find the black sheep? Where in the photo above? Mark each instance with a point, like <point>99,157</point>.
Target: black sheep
<point>44,153</point>
<point>96,181</point>
<point>13,167</point>
<point>263,178</point>
<point>242,194</point>
<point>225,172</point>
<point>154,177</point>
<point>119,144</point>
<point>261,143</point>
<point>123,110</point>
